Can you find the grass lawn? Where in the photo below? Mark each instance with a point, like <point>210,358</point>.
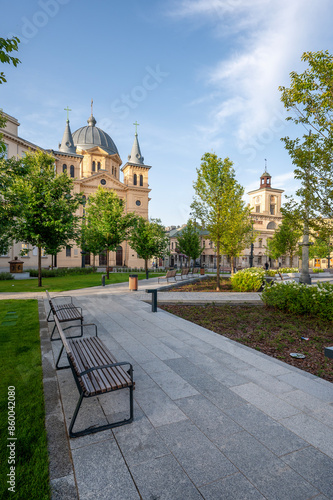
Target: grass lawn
<point>64,283</point>
<point>20,367</point>
<point>272,332</point>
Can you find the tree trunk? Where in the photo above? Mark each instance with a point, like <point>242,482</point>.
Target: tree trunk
<point>39,266</point>
<point>107,264</point>
<point>232,264</point>
<point>218,260</point>
<point>146,268</point>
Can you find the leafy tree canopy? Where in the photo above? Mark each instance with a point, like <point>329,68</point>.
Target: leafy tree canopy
<point>188,241</point>
<point>8,45</point>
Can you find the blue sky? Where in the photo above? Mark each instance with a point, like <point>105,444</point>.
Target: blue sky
<point>198,75</point>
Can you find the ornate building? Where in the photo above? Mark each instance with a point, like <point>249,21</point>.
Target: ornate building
<point>91,158</point>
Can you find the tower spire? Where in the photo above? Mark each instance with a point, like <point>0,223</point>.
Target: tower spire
<point>136,156</point>
<point>67,143</point>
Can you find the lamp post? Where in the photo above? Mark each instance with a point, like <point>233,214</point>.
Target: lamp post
<point>305,276</point>
<point>252,247</point>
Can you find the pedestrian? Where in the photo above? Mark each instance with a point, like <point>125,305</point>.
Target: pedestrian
<point>266,266</point>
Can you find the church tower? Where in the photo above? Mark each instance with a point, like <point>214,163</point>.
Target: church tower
<point>136,178</point>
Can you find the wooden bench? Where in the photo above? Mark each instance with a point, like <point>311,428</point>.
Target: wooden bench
<point>96,372</point>
<point>184,273</point>
<point>64,312</point>
<point>169,275</point>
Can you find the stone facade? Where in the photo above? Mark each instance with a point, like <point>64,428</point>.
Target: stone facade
<point>91,158</point>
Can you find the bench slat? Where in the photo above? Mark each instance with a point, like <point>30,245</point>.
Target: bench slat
<point>118,375</point>
<point>88,385</point>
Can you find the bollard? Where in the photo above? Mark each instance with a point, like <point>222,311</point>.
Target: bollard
<point>153,300</point>
<point>103,279</point>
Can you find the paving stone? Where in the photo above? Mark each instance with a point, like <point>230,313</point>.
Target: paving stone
<point>102,473</point>
<point>315,467</point>
<point>163,479</point>
<point>234,487</point>
<point>199,457</point>
<point>158,407</point>
<point>220,395</point>
<point>269,432</point>
<point>139,442</point>
<point>266,381</point>
<point>64,487</point>
<point>208,418</point>
<point>268,403</point>
<point>313,387</point>
<point>312,431</point>
<point>282,483</point>
<point>155,367</point>
<point>173,385</point>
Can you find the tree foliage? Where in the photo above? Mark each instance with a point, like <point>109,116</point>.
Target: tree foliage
<point>309,98</point>
<point>188,241</point>
<point>8,45</point>
<point>39,203</point>
<point>105,213</point>
<point>148,239</point>
<point>219,206</point>
<point>285,240</point>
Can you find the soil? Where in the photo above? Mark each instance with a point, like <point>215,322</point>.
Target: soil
<point>275,333</point>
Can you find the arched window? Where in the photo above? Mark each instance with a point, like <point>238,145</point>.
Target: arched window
<point>99,165</point>
<point>64,167</point>
<point>271,225</point>
<point>94,166</point>
<point>135,179</point>
<point>141,180</point>
<point>112,170</point>
<point>71,170</point>
<point>115,172</point>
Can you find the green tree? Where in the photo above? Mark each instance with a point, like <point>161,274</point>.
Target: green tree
<point>309,99</point>
<point>148,239</point>
<point>7,45</point>
<point>40,203</point>
<point>218,205</point>
<point>285,240</point>
<point>105,213</point>
<point>188,241</point>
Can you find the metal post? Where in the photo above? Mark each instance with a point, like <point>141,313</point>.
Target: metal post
<point>305,276</point>
<point>153,300</point>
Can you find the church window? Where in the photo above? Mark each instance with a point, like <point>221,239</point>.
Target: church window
<point>138,203</point>
<point>135,179</point>
<point>115,171</point>
<point>259,260</point>
<point>68,251</point>
<point>271,225</point>
<point>141,180</point>
<point>94,166</point>
<point>258,209</point>
<point>103,182</point>
<point>64,167</point>
<point>99,165</point>
<point>71,170</point>
<point>24,249</point>
<point>267,181</point>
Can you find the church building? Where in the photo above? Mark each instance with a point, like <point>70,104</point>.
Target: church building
<point>91,158</point>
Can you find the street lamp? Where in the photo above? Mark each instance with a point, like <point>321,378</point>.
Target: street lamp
<point>252,247</point>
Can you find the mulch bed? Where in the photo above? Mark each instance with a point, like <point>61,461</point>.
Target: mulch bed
<point>267,330</point>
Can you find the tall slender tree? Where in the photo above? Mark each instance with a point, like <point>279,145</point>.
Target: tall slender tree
<point>219,206</point>
<point>106,214</point>
<point>148,239</point>
<point>41,204</point>
<point>188,241</point>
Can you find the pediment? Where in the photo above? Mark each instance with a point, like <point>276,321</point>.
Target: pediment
<point>95,181</point>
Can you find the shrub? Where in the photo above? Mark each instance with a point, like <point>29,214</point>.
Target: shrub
<point>316,270</point>
<point>299,298</point>
<point>62,271</point>
<point>6,276</point>
<point>248,280</point>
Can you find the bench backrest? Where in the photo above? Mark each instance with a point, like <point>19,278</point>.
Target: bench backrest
<point>50,302</point>
<point>185,271</point>
<point>63,338</point>
<point>171,274</point>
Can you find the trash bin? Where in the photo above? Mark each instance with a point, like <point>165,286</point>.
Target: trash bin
<point>202,270</point>
<point>133,282</point>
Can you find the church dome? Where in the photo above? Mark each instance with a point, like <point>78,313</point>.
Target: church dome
<point>92,136</point>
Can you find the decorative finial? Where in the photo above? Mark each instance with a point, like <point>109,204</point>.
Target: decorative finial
<point>67,109</point>
<point>136,127</point>
<point>92,102</point>
<point>265,165</point>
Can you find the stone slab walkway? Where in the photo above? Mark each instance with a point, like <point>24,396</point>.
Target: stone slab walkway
<point>213,419</point>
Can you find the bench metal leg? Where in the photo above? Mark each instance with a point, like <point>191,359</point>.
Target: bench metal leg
<point>92,430</point>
